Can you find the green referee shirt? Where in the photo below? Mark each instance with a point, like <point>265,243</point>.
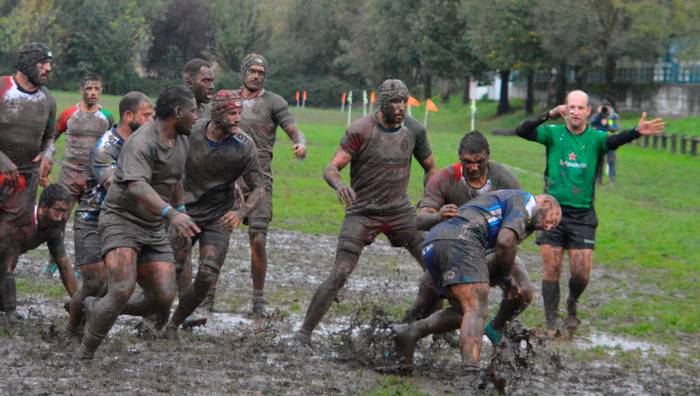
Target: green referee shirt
<point>571,163</point>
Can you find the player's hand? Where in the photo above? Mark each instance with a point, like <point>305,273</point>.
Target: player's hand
<point>230,220</point>
<point>299,150</point>
<point>448,211</point>
<point>650,127</point>
<point>184,225</point>
<point>44,168</point>
<point>10,178</point>
<point>559,111</point>
<point>346,195</point>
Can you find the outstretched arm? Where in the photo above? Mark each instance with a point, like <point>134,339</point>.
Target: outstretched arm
<point>643,128</point>
<point>331,175</point>
<point>429,217</point>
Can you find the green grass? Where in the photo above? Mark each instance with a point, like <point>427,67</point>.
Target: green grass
<point>648,221</point>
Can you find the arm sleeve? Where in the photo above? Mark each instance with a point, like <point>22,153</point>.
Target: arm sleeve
<point>529,128</point>
<point>252,173</point>
<point>351,142</point>
<point>422,149</point>
<point>62,123</point>
<point>102,163</point>
<point>618,139</point>
<point>134,162</point>
<point>280,112</point>
<point>516,217</point>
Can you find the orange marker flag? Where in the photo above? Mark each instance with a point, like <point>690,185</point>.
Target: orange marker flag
<point>373,97</point>
<point>413,101</point>
<point>305,96</point>
<point>430,106</point>
<point>344,97</point>
<point>297,96</point>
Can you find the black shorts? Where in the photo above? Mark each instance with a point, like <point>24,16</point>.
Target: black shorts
<point>455,261</point>
<point>575,231</point>
<point>152,244</point>
<point>88,244</point>
<point>400,228</point>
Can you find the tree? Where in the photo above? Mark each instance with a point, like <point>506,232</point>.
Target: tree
<point>183,31</point>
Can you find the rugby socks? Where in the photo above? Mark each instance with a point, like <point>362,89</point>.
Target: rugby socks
<point>8,298</point>
<point>576,288</point>
<point>550,296</point>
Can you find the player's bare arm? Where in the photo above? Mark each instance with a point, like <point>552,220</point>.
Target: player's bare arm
<point>331,175</point>
<point>298,140</point>
<point>149,198</point>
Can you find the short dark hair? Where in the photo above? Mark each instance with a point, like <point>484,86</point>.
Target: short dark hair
<point>193,66</point>
<point>171,97</point>
<point>131,102</point>
<point>90,77</point>
<point>52,194</point>
<point>474,143</point>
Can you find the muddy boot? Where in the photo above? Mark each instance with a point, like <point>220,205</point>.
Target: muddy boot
<point>193,321</point>
<point>91,340</point>
<point>208,303</point>
<point>8,294</point>
<point>405,342</point>
<point>258,309</point>
<point>169,332</point>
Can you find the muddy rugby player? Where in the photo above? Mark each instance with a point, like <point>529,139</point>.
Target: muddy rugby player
<point>454,254</point>
<point>50,217</point>
<point>450,188</point>
<point>135,109</point>
<point>379,148</point>
<point>573,150</point>
<point>82,124</point>
<point>27,122</point>
<point>263,112</point>
<point>219,154</point>
<point>147,185</point>
<point>198,77</point>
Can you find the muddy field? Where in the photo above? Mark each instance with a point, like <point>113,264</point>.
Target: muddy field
<point>234,354</point>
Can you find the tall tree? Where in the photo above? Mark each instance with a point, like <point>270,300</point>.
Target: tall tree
<point>504,37</point>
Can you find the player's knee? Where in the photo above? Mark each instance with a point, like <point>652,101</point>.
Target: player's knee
<point>91,287</point>
<point>526,295</point>
<point>120,292</point>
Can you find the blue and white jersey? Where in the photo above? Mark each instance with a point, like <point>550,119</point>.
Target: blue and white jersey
<point>487,214</point>
<point>103,161</point>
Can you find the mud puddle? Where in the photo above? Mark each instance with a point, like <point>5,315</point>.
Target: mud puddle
<point>234,354</point>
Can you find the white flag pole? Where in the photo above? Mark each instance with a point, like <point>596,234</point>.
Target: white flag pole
<point>349,107</point>
<point>473,107</point>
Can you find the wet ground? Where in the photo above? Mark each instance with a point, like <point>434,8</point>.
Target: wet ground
<point>235,354</point>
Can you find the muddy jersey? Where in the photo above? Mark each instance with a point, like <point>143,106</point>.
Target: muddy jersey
<point>260,118</point>
<point>82,129</point>
<point>486,215</point>
<point>32,236</point>
<point>449,186</point>
<point>203,111</point>
<point>103,161</point>
<point>144,157</point>
<point>381,163</point>
<point>26,125</point>
<point>212,169</point>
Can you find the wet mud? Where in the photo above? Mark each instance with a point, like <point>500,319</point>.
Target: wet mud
<point>351,350</point>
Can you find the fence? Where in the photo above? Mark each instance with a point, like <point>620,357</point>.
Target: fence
<point>660,73</point>
<point>677,144</point>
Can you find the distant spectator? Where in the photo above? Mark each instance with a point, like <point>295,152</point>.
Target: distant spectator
<point>607,120</point>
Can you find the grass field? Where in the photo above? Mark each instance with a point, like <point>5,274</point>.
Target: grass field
<point>648,221</point>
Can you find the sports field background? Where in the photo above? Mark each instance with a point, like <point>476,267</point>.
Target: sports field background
<point>648,222</point>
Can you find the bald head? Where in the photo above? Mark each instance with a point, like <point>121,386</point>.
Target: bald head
<point>548,212</point>
<point>577,96</point>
